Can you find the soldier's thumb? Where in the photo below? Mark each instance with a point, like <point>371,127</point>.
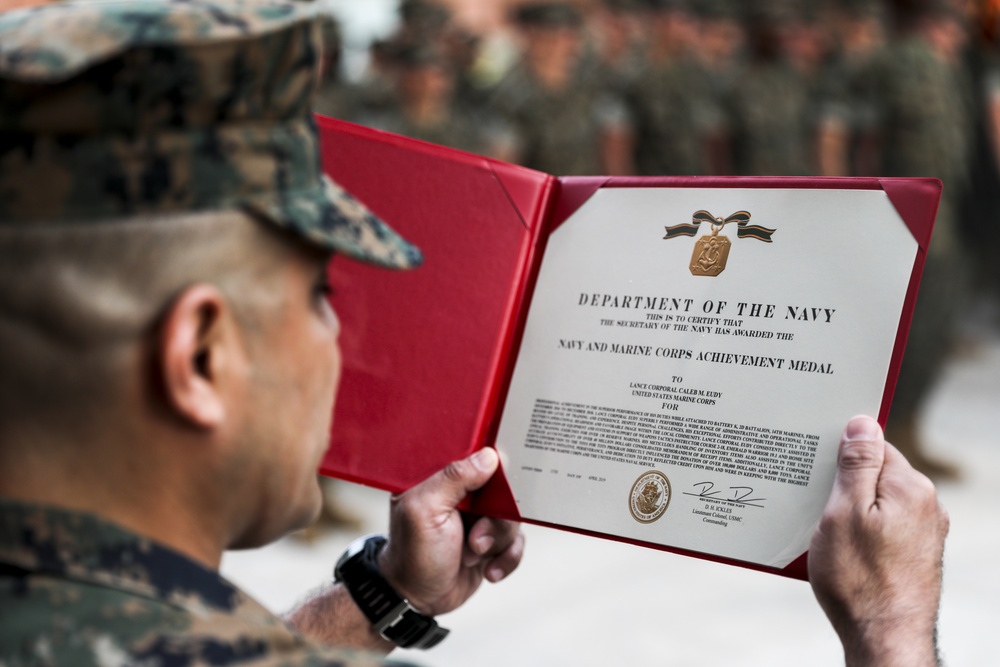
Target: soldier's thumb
<point>859,461</point>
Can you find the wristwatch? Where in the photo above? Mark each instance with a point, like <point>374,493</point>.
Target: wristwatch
<point>391,614</point>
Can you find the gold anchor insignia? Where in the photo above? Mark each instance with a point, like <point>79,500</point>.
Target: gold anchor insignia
<point>711,252</point>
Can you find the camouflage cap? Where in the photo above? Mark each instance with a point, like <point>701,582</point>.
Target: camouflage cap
<point>623,5</point>
<point>721,10</point>
<point>548,14</point>
<point>419,55</point>
<point>861,9</point>
<point>120,109</point>
<point>686,6</point>
<point>424,15</point>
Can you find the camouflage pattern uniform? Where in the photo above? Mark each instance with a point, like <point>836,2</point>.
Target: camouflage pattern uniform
<point>161,107</point>
<point>76,590</point>
<point>848,91</point>
<point>453,126</point>
<point>774,123</point>
<point>672,104</point>
<point>559,131</point>
<point>673,109</point>
<point>923,119</point>
<point>457,130</point>
<point>124,111</point>
<point>773,127</point>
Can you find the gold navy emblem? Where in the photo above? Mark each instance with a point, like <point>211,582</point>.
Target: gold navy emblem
<point>711,252</point>
<point>649,497</point>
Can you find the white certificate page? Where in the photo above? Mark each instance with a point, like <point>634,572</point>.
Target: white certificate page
<point>691,357</point>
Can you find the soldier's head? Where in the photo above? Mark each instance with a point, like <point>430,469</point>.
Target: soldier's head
<point>552,33</point>
<point>942,24</point>
<point>770,22</point>
<point>807,37</point>
<point>675,26</point>
<point>618,26</point>
<point>861,26</point>
<point>164,232</point>
<point>423,19</point>
<point>722,35</point>
<point>426,75</point>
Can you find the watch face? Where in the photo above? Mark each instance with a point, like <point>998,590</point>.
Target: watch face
<point>340,563</point>
<point>355,548</point>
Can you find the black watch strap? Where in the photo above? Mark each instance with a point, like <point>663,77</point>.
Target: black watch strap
<point>391,614</point>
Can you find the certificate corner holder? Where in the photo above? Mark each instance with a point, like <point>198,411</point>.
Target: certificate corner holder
<point>916,200</point>
<point>573,192</point>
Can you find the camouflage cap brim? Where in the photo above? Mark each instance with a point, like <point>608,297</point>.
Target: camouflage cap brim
<point>126,109</point>
<point>343,224</point>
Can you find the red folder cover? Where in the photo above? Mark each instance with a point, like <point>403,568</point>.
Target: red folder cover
<point>428,354</point>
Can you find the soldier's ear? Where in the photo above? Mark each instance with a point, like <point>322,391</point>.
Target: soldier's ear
<point>198,351</point>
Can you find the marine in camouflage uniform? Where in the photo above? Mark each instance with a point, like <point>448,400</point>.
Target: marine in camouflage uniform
<point>671,103</point>
<point>848,144</point>
<point>427,108</point>
<point>564,119</point>
<point>923,117</point>
<point>124,118</point>
<point>722,53</point>
<point>773,127</point>
<point>618,54</point>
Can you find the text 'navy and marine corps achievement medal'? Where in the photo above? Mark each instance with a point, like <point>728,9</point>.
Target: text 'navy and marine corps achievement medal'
<point>712,252</point>
<point>649,497</point>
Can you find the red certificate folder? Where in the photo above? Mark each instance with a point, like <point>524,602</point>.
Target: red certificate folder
<point>428,354</point>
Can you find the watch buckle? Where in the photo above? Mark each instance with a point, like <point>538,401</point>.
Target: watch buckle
<point>392,618</point>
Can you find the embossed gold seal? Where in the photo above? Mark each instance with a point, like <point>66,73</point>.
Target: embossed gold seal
<point>710,254</point>
<point>649,497</point>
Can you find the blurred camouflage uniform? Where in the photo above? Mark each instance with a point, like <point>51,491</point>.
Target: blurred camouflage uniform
<point>773,102</point>
<point>427,108</point>
<point>617,59</point>
<point>923,116</point>
<point>980,212</point>
<point>848,103</point>
<point>124,112</point>
<point>76,590</point>
<point>560,130</point>
<point>672,106</point>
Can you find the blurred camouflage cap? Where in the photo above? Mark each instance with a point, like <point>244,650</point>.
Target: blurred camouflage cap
<point>862,8</point>
<point>123,109</point>
<point>424,14</point>
<point>623,5</point>
<point>686,6</point>
<point>420,54</point>
<point>548,14</point>
<point>720,10</point>
<point>774,11</point>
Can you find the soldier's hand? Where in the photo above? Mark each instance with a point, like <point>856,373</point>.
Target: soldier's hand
<point>875,560</point>
<point>429,559</point>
